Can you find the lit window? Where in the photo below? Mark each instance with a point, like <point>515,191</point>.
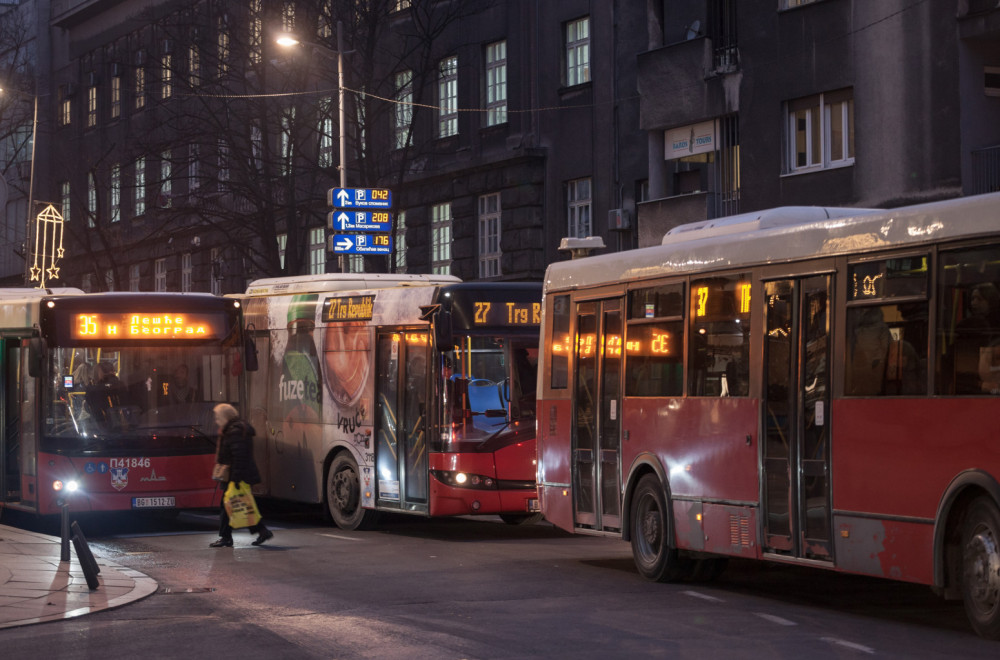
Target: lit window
<point>140,186</point>
<point>578,52</point>
<point>92,106</point>
<point>496,83</point>
<point>448,97</point>
<point>166,180</point>
<point>400,242</point>
<point>403,109</point>
<point>441,239</point>
<point>166,76</point>
<point>64,199</point>
<point>186,272</point>
<point>133,277</point>
<point>256,32</point>
<point>317,251</point>
<point>578,208</point>
<point>116,97</point>
<point>194,65</point>
<point>65,110</point>
<point>821,131</point>
<point>140,80</point>
<point>326,132</point>
<point>91,200</point>
<point>222,45</point>
<point>489,236</point>
<point>116,193</point>
<point>160,275</point>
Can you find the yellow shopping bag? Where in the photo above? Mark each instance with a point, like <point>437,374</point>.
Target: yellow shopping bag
<point>241,506</point>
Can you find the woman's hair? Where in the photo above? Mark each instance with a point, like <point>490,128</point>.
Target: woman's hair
<point>226,412</point>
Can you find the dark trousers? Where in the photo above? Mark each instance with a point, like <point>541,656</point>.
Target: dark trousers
<point>225,531</point>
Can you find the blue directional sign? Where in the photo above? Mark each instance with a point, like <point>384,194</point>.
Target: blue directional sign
<point>360,198</point>
<point>361,243</point>
<point>359,221</point>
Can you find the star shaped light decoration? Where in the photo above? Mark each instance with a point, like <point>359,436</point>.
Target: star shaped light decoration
<point>48,245</point>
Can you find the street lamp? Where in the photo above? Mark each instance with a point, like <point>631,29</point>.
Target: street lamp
<point>287,41</point>
<point>31,182</point>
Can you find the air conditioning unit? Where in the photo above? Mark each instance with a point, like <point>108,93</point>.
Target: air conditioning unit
<point>619,220</point>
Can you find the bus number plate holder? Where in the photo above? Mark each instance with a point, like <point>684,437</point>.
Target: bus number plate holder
<point>152,502</point>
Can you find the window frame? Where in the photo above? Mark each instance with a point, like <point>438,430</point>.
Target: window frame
<point>577,205</point>
<point>817,112</point>
<point>447,124</point>
<point>576,52</point>
<point>490,233</point>
<point>495,80</point>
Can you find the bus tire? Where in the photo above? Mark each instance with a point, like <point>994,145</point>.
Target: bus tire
<point>652,529</point>
<point>521,518</point>
<point>981,567</point>
<point>343,495</point>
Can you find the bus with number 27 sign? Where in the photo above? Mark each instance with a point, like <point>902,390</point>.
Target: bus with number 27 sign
<point>800,385</point>
<point>110,395</point>
<point>402,393</point>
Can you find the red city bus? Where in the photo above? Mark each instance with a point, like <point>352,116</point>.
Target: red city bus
<point>405,393</point>
<point>112,394</point>
<point>800,385</point>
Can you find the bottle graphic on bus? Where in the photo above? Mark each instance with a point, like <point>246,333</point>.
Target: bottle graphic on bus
<point>299,383</point>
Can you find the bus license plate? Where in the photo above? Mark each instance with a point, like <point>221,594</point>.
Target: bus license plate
<point>533,506</point>
<point>152,502</point>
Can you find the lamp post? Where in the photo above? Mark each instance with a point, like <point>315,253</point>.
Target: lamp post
<point>288,41</point>
<point>31,183</point>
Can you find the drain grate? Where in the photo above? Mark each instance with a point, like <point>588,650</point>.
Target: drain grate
<point>186,590</point>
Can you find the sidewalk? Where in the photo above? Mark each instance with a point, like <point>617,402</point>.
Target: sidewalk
<point>35,587</point>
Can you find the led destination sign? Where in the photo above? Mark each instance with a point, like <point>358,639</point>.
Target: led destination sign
<point>349,308</point>
<point>507,313</point>
<point>144,325</point>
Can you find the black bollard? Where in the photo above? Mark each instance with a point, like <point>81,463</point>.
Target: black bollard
<point>86,557</point>
<point>64,532</point>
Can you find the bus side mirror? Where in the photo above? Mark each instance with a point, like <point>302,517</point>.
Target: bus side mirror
<point>249,350</point>
<point>36,349</point>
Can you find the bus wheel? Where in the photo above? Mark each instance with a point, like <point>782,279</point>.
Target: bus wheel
<point>981,567</point>
<point>651,550</point>
<point>521,518</point>
<point>343,494</point>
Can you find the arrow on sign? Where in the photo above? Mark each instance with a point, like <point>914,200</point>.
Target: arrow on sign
<point>345,243</point>
<point>343,197</point>
<point>342,220</point>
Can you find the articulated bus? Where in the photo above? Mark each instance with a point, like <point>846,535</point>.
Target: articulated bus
<point>111,395</point>
<point>404,393</point>
<point>801,385</point>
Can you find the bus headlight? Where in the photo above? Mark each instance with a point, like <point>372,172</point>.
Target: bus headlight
<point>464,480</point>
<point>70,486</point>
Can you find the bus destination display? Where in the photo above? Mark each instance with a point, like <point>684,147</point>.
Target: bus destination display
<point>509,313</point>
<point>145,326</point>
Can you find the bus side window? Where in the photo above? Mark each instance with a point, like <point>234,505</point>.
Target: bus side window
<point>719,352</point>
<point>561,343</point>
<point>968,332</point>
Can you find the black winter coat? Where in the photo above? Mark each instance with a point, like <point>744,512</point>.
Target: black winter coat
<point>236,451</point>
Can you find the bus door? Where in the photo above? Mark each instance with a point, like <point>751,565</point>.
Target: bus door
<point>401,419</point>
<point>10,457</point>
<point>796,408</point>
<point>597,400</point>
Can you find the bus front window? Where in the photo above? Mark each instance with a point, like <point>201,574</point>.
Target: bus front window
<point>489,389</point>
<point>136,398</point>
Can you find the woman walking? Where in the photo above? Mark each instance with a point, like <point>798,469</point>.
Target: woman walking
<point>236,451</point>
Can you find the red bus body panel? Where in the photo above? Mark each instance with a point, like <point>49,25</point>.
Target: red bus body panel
<point>110,483</point>
<point>515,462</point>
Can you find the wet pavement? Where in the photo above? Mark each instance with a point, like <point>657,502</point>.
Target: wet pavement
<point>36,587</point>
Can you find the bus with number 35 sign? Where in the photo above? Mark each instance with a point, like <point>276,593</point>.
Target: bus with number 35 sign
<point>107,398</point>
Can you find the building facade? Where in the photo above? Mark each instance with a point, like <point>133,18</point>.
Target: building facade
<point>762,103</point>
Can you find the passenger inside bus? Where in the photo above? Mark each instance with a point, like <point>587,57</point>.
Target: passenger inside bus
<point>104,397</point>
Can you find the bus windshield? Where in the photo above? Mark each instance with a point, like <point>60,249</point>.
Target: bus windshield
<point>489,389</point>
<point>149,400</point>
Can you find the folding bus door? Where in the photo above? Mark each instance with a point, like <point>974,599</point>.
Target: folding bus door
<point>401,388</point>
<point>796,406</point>
<point>597,401</point>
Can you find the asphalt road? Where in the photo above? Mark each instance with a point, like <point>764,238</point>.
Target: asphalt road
<point>462,588</point>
